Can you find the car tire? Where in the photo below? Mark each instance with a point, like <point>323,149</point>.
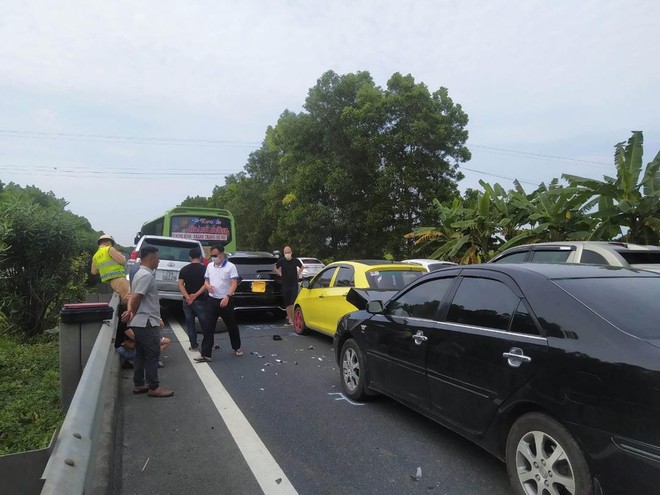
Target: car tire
<point>299,321</point>
<point>352,371</point>
<point>543,457</point>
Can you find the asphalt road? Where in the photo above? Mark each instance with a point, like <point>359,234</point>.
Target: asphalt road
<point>315,440</point>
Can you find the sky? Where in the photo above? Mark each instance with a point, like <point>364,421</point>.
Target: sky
<point>126,108</point>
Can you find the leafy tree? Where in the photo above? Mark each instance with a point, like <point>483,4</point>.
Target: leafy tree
<point>353,172</point>
<point>627,201</point>
<point>44,259</point>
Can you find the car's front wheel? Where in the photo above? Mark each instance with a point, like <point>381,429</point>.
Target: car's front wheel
<point>543,458</point>
<point>299,321</point>
<point>353,371</point>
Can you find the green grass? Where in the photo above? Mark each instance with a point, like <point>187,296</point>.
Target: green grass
<point>30,409</point>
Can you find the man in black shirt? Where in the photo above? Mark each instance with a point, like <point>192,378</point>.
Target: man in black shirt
<point>289,268</point>
<point>191,285</point>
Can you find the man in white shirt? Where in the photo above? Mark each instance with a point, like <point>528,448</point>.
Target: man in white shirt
<point>221,279</point>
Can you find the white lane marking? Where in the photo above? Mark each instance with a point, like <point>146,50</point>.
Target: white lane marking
<point>268,473</point>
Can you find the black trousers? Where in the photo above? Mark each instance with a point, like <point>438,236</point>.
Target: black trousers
<point>213,311</point>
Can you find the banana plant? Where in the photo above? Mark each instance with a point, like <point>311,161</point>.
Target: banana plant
<point>628,205</point>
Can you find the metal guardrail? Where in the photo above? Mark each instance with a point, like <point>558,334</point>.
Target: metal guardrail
<point>73,464</point>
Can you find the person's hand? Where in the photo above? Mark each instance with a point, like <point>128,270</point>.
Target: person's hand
<point>210,289</point>
<point>189,299</point>
<point>224,301</point>
<point>127,316</point>
<point>162,323</point>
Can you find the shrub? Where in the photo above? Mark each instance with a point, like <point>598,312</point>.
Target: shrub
<point>42,263</point>
<point>30,408</point>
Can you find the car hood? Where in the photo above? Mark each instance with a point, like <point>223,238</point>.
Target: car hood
<point>360,297</point>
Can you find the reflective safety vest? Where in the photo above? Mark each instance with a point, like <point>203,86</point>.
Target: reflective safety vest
<point>108,268</point>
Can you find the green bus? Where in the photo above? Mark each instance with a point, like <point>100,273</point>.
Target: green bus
<point>210,226</point>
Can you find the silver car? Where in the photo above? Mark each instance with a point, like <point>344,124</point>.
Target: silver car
<point>312,266</point>
<point>587,252</point>
<point>430,265</point>
<point>173,253</point>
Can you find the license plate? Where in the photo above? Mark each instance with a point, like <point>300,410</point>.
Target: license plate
<point>169,276</point>
<point>259,286</point>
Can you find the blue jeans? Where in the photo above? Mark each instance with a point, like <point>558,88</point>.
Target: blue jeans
<point>198,309</point>
<point>147,353</point>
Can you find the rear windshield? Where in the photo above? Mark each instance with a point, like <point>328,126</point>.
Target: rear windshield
<point>252,265</point>
<point>311,261</point>
<point>641,257</point>
<point>171,249</point>
<point>629,303</point>
<point>391,279</point>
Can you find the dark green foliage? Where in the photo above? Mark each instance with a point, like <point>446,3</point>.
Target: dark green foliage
<point>352,173</point>
<point>30,410</point>
<point>44,259</point>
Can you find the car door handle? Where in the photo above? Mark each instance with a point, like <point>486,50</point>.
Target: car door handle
<point>515,357</point>
<point>419,337</point>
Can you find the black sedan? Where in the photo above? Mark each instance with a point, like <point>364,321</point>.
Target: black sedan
<point>259,287</point>
<point>555,369</point>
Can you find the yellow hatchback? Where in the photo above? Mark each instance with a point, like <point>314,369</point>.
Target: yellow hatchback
<point>322,301</point>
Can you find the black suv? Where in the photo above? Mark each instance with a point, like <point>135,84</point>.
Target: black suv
<point>259,288</point>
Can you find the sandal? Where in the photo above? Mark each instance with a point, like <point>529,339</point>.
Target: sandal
<point>202,359</point>
<point>238,352</point>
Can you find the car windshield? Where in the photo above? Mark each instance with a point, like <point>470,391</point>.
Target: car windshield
<point>251,266</point>
<point>391,279</point>
<point>310,261</point>
<point>631,304</point>
<point>171,249</point>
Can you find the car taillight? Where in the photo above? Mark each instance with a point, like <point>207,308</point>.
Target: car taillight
<point>134,255</point>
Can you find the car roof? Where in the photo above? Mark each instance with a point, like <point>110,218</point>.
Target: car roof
<point>611,244</point>
<point>379,264</point>
<point>557,270</point>
<point>428,261</point>
<point>252,254</point>
<point>166,238</point>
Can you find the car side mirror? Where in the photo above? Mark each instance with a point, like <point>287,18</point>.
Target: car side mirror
<point>375,307</point>
<point>305,283</point>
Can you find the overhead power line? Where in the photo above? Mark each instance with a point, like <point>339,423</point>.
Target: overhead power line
<point>538,155</point>
<point>171,141</point>
<point>106,138</point>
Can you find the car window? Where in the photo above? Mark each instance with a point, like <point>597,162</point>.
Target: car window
<point>311,261</point>
<point>391,279</point>
<point>483,302</point>
<point>523,321</point>
<point>553,256</point>
<point>422,301</point>
<point>517,257</point>
<point>254,266</point>
<point>631,304</point>
<point>170,249</point>
<point>322,280</point>
<point>345,277</point>
<point>592,257</point>
<point>640,257</point>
